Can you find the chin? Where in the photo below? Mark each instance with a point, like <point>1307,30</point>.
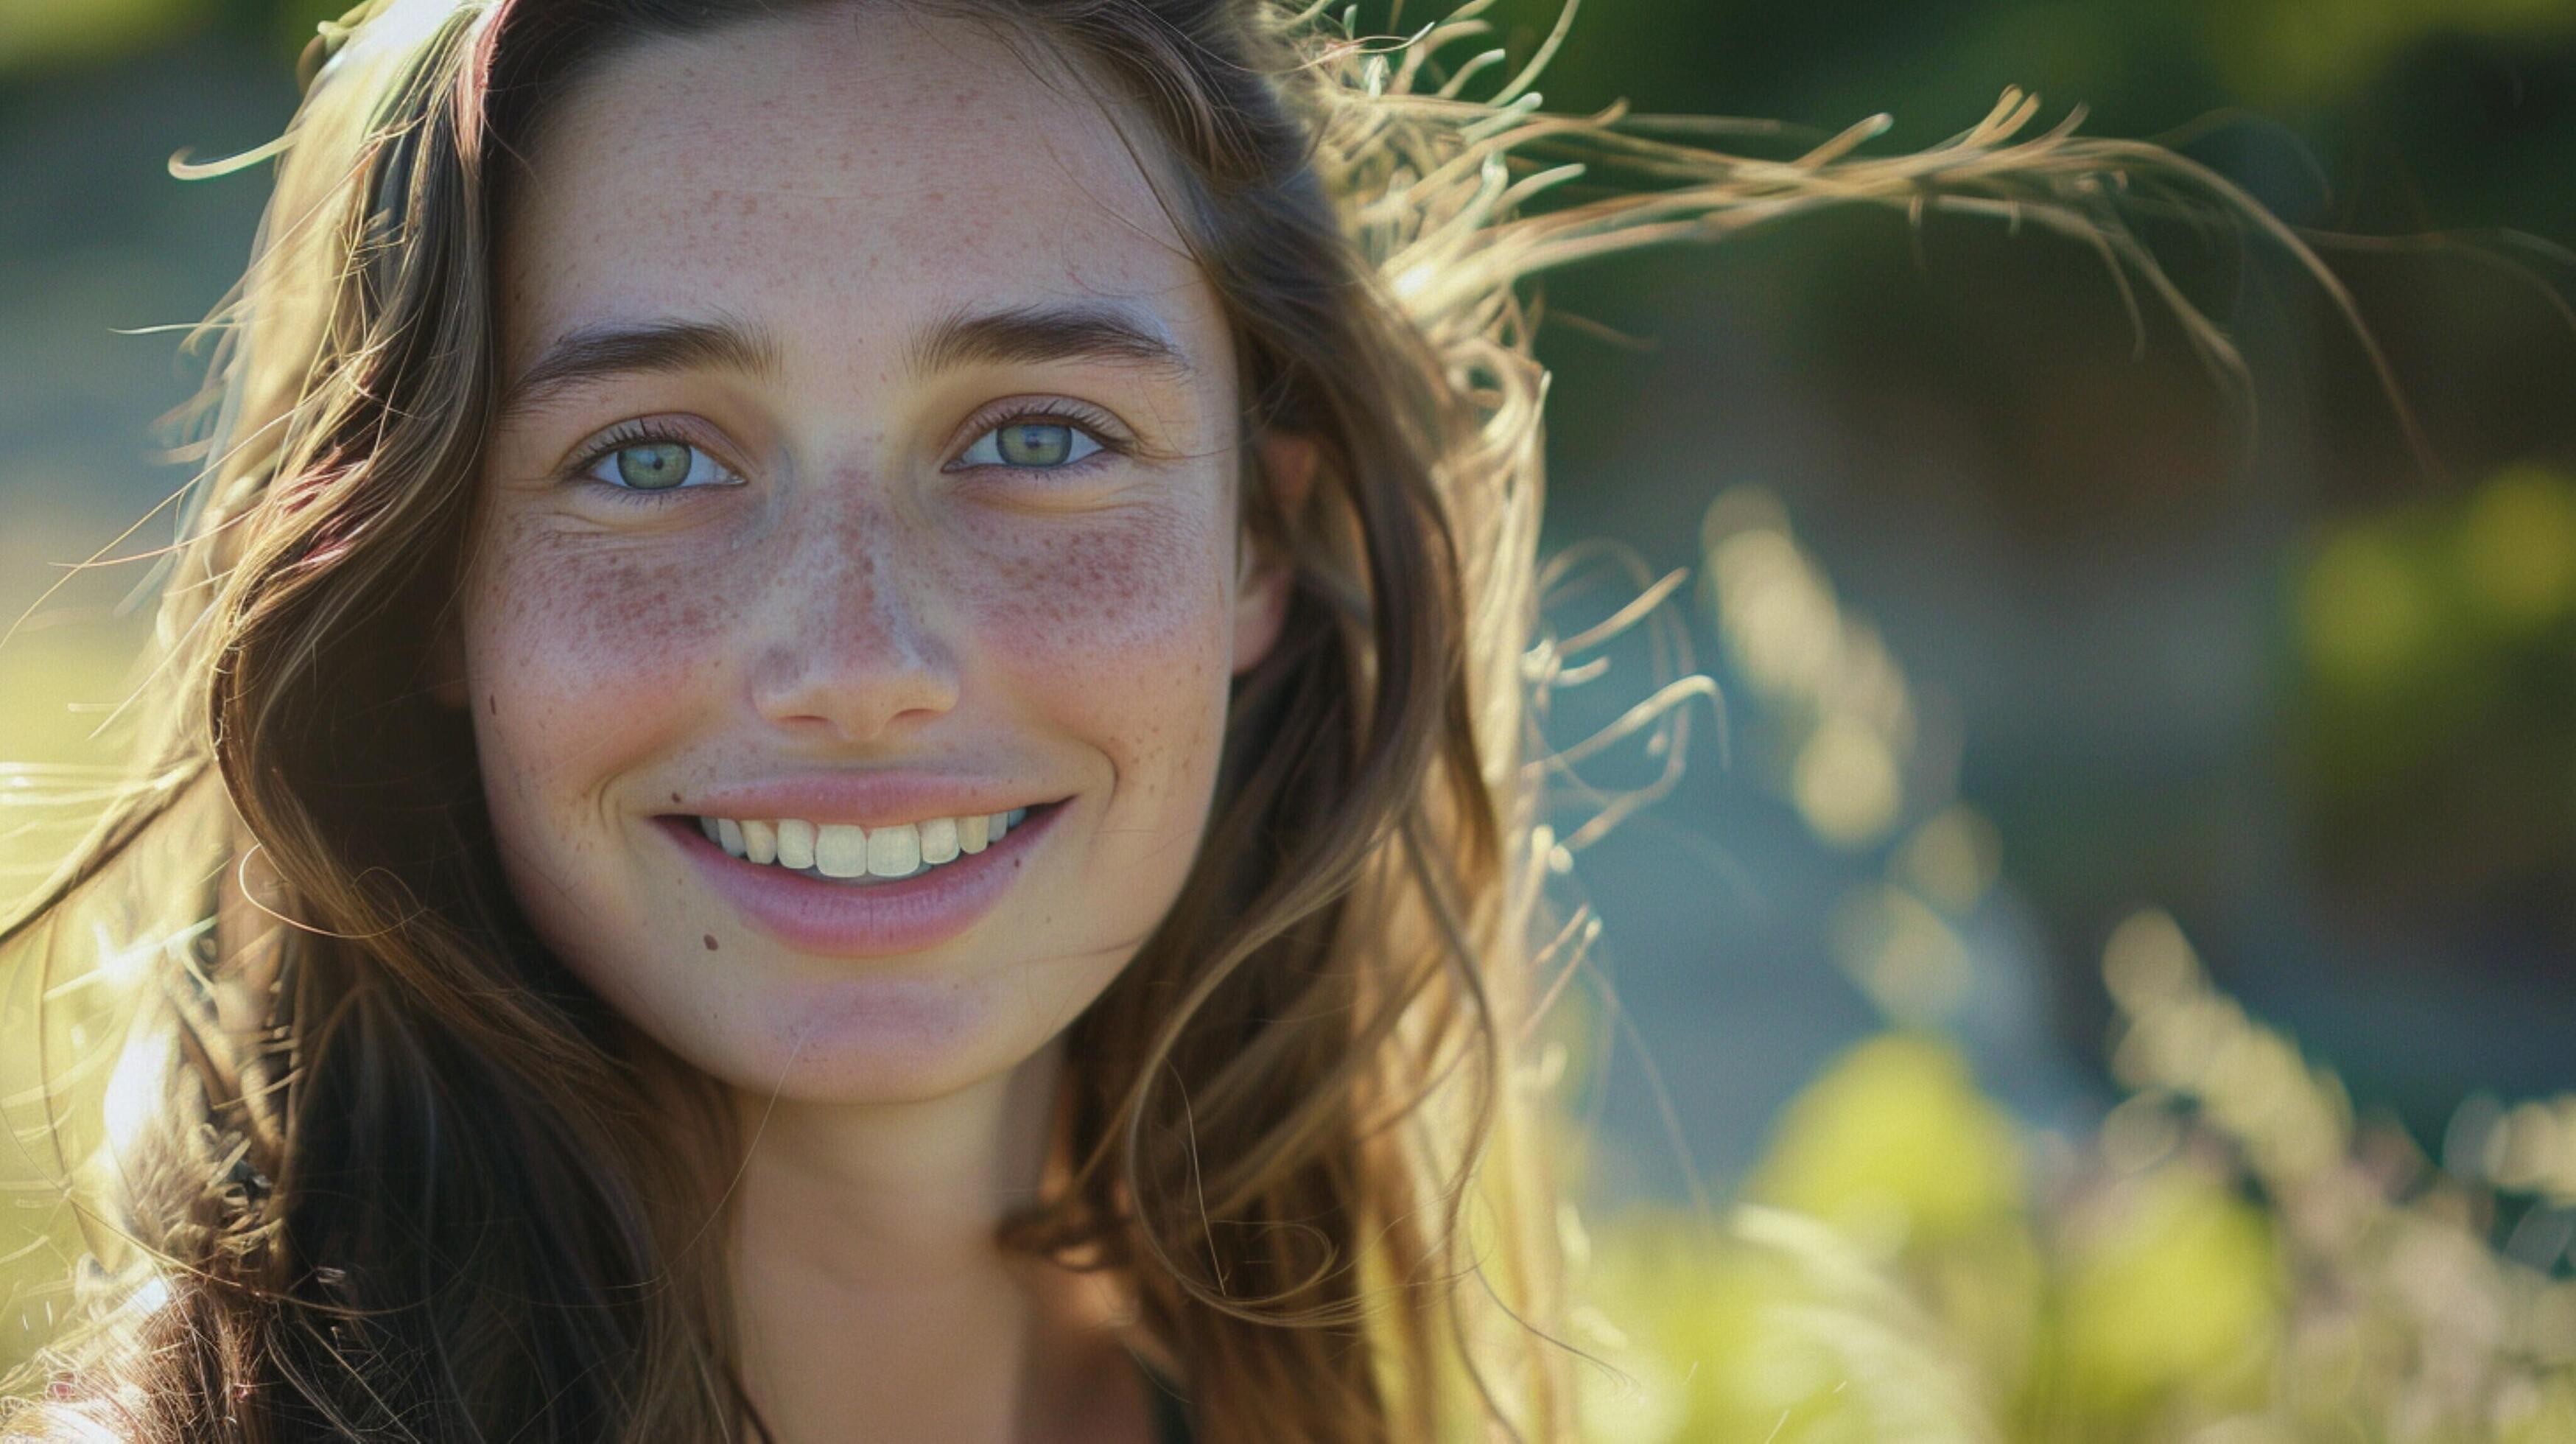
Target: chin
<point>876,1037</point>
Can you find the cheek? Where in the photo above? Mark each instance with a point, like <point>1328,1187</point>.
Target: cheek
<point>577,650</point>
<point>1125,626</point>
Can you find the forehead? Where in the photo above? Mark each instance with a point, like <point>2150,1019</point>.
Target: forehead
<point>838,173</point>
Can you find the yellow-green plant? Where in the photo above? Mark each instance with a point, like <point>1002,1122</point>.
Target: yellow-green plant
<point>2230,1257</point>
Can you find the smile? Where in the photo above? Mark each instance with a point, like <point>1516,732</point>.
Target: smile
<point>844,851</point>
<point>843,890</point>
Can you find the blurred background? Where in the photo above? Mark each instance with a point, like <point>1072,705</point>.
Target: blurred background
<point>2265,666</point>
<point>2040,651</point>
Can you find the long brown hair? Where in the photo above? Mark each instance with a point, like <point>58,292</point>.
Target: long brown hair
<point>395,1173</point>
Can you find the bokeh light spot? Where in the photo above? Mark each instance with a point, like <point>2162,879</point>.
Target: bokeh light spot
<point>2516,547</point>
<point>2365,611</point>
<point>1846,783</point>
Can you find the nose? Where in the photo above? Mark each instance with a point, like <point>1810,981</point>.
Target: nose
<point>850,656</point>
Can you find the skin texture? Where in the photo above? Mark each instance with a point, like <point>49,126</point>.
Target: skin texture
<point>843,596</point>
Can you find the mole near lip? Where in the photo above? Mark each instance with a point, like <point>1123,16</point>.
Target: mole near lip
<point>884,917</point>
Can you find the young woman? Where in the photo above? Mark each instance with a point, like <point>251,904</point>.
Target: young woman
<point>839,744</point>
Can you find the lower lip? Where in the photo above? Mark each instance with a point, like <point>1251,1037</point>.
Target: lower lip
<point>864,920</point>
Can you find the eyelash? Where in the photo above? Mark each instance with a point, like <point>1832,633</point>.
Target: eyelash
<point>641,433</point>
<point>1088,420</point>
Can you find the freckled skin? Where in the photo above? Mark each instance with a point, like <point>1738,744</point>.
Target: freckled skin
<point>856,601</point>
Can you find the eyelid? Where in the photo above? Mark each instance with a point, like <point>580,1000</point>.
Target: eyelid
<point>1094,421</point>
<point>643,430</point>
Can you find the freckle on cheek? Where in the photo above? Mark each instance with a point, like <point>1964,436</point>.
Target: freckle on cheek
<point>606,618</point>
<point>711,942</point>
<point>1083,591</point>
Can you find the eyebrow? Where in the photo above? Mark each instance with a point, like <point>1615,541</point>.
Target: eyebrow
<point>627,348</point>
<point>1018,334</point>
<point>1028,334</point>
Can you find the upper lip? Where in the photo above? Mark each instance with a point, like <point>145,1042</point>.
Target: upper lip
<point>865,799</point>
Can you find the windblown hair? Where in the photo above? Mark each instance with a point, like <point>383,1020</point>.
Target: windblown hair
<point>381,1167</point>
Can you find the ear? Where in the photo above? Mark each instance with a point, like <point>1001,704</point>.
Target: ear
<point>1287,460</point>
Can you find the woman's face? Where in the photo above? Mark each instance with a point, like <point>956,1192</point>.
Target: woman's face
<point>868,477</point>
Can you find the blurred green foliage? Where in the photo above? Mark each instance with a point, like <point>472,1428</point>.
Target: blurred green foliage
<point>2231,1255</point>
<point>1895,1142</point>
<point>2228,1258</point>
<point>2305,51</point>
<point>36,34</point>
<point>2433,693</point>
<point>2390,595</point>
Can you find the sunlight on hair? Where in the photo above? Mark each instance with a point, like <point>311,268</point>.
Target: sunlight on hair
<point>2235,1257</point>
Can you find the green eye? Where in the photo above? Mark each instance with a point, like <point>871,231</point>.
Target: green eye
<point>1035,444</point>
<point>654,465</point>
<point>637,462</point>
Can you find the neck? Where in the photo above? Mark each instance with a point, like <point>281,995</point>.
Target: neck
<point>872,1298</point>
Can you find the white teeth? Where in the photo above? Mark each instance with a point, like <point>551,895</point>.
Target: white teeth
<point>845,850</point>
<point>894,851</point>
<point>841,850</point>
